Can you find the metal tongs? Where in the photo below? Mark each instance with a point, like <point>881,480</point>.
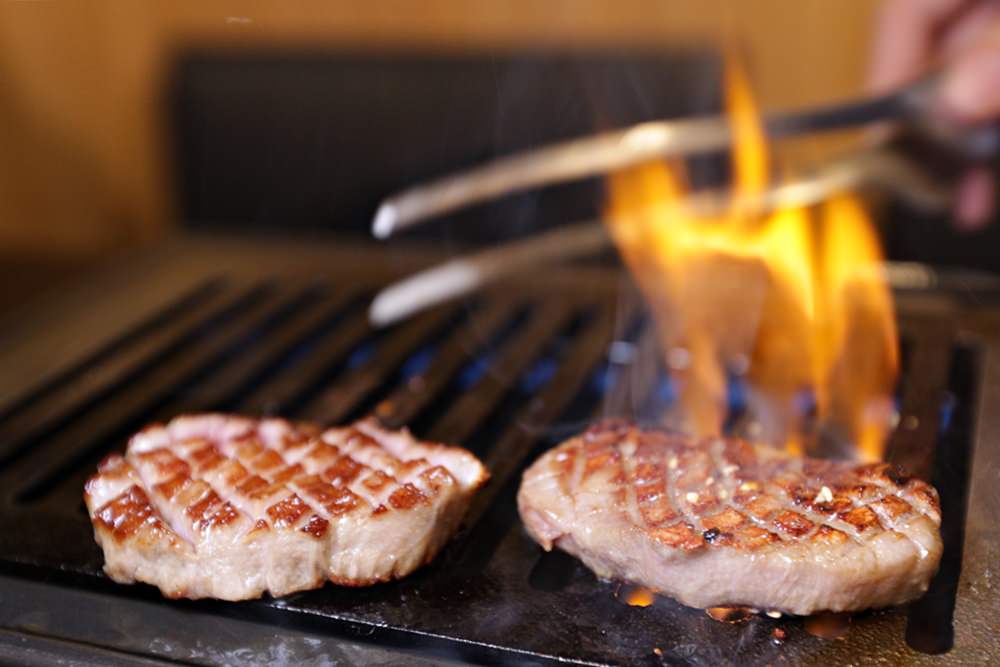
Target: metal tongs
<point>889,165</point>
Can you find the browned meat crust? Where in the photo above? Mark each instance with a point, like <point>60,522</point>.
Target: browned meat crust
<point>228,507</point>
<point>719,521</point>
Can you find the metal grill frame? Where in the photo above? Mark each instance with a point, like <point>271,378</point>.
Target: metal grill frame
<point>213,320</point>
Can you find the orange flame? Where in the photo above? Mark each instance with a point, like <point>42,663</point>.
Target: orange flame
<point>796,292</point>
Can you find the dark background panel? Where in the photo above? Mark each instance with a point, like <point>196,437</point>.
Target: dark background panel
<point>312,142</point>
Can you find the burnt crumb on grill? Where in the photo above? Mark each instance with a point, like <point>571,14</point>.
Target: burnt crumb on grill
<point>711,534</point>
<point>897,475</point>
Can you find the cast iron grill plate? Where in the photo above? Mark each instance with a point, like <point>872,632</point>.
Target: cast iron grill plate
<point>266,328</point>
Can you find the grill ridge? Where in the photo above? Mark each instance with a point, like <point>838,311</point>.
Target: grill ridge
<point>343,398</point>
<point>278,394</point>
<point>469,361</point>
<point>483,326</point>
<point>510,361</point>
<point>85,387</point>
<point>218,339</point>
<point>157,320</point>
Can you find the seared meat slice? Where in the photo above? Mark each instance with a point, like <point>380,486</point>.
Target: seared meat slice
<point>230,507</point>
<point>718,522</point>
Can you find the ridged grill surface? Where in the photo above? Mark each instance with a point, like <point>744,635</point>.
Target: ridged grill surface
<point>264,330</point>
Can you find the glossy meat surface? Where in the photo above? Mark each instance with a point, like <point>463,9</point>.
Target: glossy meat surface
<point>229,507</point>
<point>721,522</point>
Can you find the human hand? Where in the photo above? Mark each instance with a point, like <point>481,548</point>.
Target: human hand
<point>962,37</point>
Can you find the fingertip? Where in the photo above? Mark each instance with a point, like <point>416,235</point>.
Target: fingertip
<point>971,90</point>
<point>904,38</point>
<point>975,201</point>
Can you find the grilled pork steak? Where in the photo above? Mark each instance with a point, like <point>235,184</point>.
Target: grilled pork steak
<point>717,522</point>
<point>229,507</point>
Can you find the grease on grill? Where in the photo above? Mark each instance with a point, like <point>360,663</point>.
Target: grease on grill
<point>828,625</point>
<point>635,596</point>
<point>730,614</point>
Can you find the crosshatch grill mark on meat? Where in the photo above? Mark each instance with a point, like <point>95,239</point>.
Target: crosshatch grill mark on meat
<point>231,507</point>
<point>717,522</point>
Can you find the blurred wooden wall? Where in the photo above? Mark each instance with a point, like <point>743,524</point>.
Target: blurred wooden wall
<point>82,160</point>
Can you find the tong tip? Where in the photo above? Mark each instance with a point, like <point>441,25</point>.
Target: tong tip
<point>385,221</point>
<point>382,312</point>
